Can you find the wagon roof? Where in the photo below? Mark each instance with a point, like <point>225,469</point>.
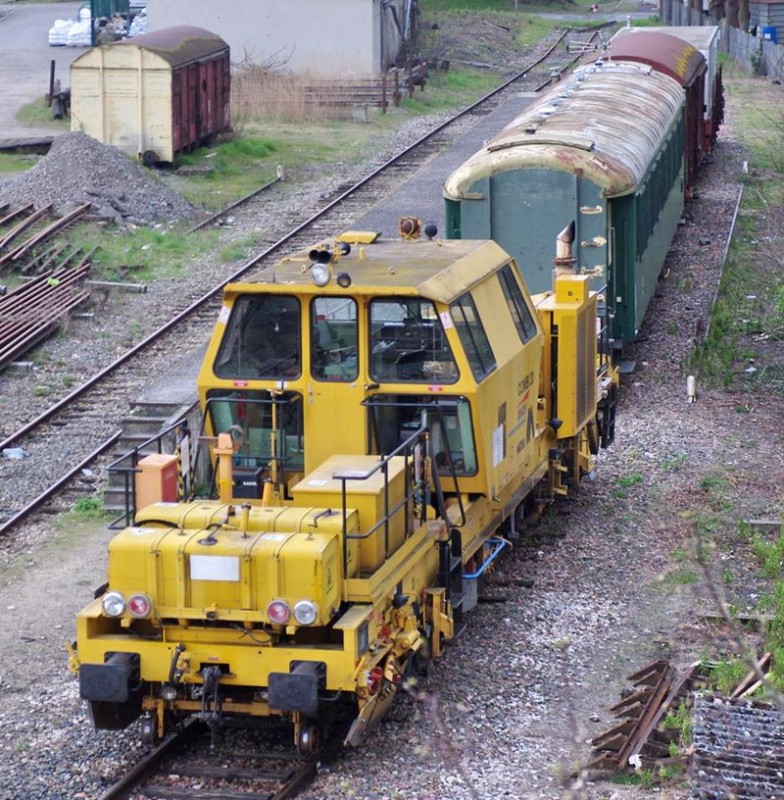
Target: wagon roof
<point>178,45</point>
<point>605,122</point>
<point>667,53</point>
<point>701,36</point>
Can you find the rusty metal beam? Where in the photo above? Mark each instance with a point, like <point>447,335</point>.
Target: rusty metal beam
<point>50,230</point>
<point>19,229</point>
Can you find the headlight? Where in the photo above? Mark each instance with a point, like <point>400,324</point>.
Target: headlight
<point>139,606</point>
<point>305,612</point>
<point>278,612</point>
<point>113,604</point>
<point>320,274</point>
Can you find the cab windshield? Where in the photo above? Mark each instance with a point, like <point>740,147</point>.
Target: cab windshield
<point>408,343</point>
<point>262,339</point>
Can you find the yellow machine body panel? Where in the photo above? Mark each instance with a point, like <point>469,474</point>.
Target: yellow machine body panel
<point>365,491</point>
<point>284,553</point>
<point>571,312</point>
<point>373,412</point>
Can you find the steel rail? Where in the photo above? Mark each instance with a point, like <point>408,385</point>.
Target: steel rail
<point>196,304</point>
<point>123,788</point>
<point>58,484</point>
<point>130,783</point>
<point>93,381</point>
<point>222,213</point>
<point>725,255</point>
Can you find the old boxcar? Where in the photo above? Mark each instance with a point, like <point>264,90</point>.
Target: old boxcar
<point>155,95</point>
<point>684,63</point>
<point>706,39</point>
<point>596,163</point>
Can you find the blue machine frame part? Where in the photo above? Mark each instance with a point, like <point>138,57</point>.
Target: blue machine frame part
<point>498,546</point>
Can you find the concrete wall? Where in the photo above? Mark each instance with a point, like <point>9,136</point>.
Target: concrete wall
<point>336,38</point>
<point>752,53</point>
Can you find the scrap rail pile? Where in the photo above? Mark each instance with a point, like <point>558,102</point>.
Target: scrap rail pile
<point>56,279</point>
<point>21,245</point>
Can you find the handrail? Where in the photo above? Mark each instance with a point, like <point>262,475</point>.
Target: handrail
<point>414,450</point>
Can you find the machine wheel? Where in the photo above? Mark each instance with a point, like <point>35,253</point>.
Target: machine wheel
<point>149,733</point>
<point>308,740</point>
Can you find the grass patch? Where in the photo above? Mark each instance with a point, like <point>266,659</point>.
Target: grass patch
<point>13,163</point>
<point>140,254</point>
<point>39,115</point>
<point>770,553</point>
<point>728,674</point>
<point>675,462</point>
<point>742,349</point>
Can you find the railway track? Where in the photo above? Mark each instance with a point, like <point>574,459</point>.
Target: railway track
<point>239,764</point>
<point>58,446</point>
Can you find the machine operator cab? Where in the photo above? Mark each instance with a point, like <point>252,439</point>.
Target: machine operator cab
<point>351,346</point>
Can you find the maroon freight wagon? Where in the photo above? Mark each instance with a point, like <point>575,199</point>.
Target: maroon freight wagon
<point>155,95</point>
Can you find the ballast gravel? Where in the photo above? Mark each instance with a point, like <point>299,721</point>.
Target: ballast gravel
<point>78,170</point>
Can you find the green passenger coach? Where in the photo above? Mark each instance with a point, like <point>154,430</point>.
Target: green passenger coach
<point>588,179</point>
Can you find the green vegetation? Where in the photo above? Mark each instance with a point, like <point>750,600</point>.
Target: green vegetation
<point>679,720</point>
<point>674,463</point>
<point>726,675</point>
<point>139,254</point>
<point>12,163</point>
<point>87,507</point>
<point>743,347</point>
<point>627,482</point>
<point>39,115</point>
<point>770,552</point>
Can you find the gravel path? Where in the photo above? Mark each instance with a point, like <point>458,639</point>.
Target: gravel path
<point>598,592</point>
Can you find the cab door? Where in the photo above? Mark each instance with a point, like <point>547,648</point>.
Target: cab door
<point>335,420</point>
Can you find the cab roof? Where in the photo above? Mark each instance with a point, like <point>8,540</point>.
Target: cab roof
<point>439,270</point>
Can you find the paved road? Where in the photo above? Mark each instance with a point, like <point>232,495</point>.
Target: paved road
<point>25,58</point>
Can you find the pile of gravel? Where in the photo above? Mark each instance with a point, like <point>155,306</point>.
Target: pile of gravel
<point>78,169</point>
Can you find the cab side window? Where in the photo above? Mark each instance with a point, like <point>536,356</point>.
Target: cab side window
<point>473,337</point>
<point>521,314</point>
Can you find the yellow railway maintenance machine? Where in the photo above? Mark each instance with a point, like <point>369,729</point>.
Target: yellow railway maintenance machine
<point>376,413</point>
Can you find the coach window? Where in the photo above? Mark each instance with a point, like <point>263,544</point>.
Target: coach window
<point>521,314</point>
<point>262,339</point>
<point>333,339</point>
<point>473,337</point>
